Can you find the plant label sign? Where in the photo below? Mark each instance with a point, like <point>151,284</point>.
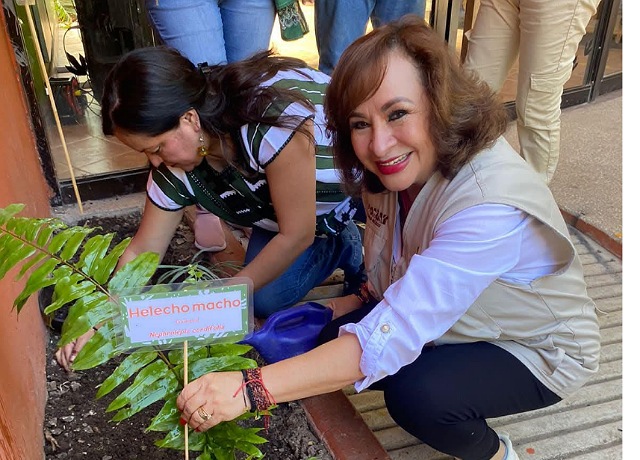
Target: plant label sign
<point>205,312</point>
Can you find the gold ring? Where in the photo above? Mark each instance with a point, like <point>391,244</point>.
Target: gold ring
<point>203,414</point>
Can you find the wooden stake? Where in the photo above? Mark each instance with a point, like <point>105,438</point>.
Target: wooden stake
<point>45,76</point>
<point>185,373</point>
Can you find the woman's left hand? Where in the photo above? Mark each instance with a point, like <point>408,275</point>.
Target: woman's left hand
<point>213,398</point>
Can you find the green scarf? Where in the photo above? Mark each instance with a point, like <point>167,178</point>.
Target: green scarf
<point>293,25</point>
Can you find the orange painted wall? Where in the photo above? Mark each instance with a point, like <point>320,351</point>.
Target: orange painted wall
<point>22,349</point>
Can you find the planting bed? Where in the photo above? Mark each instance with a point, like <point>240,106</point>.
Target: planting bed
<point>77,427</point>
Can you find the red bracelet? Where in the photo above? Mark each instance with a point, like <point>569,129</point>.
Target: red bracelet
<point>363,293</point>
<point>260,399</point>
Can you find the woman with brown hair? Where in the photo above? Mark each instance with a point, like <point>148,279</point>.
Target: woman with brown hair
<point>475,305</point>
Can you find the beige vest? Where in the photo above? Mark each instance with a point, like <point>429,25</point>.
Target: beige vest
<point>549,324</point>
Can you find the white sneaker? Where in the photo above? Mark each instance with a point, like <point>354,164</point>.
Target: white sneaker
<point>510,453</point>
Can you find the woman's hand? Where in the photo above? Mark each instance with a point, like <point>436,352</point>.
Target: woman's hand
<point>67,353</point>
<point>343,305</point>
<point>213,398</point>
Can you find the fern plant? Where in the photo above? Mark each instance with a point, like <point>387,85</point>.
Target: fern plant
<point>81,268</point>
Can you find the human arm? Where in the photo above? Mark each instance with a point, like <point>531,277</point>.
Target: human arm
<point>292,185</point>
<point>327,368</point>
<point>343,305</point>
<point>469,251</point>
<point>154,234</point>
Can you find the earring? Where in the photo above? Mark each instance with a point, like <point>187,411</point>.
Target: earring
<point>202,150</point>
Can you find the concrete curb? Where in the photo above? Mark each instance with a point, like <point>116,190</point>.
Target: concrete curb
<point>342,429</point>
<point>610,243</point>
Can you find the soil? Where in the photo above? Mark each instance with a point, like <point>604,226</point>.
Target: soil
<point>77,427</point>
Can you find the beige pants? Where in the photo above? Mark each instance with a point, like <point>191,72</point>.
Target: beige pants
<point>544,36</point>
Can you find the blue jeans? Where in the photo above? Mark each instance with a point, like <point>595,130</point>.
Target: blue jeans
<point>214,31</point>
<point>309,270</point>
<point>339,22</point>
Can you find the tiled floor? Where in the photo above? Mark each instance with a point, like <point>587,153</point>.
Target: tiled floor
<point>91,153</point>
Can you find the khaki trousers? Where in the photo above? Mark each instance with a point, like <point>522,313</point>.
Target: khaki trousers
<point>543,35</point>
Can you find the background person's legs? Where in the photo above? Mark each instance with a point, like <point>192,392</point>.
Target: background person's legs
<point>193,27</point>
<point>494,41</point>
<point>386,11</point>
<point>247,26</point>
<point>550,33</point>
<point>337,24</point>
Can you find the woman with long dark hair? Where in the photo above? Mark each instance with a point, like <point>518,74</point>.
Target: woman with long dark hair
<point>247,142</point>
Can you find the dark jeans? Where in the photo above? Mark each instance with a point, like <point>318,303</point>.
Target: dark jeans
<point>445,396</point>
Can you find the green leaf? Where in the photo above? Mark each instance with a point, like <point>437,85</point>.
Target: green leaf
<point>250,449</point>
<point>227,349</point>
<point>75,237</point>
<point>205,456</point>
<point>223,452</point>
<point>143,380</point>
<point>75,329</point>
<point>177,356</point>
<point>226,437</point>
<point>30,263</point>
<point>167,418</point>
<point>39,278</point>
<point>152,393</point>
<point>44,234</point>
<point>103,269</point>
<point>227,363</point>
<point>10,211</point>
<point>126,369</point>
<point>14,251</point>
<point>98,350</point>
<point>135,273</point>
<point>69,289</point>
<point>57,242</point>
<point>93,251</point>
<point>88,303</point>
<point>91,310</point>
<point>31,227</point>
<point>234,432</point>
<point>175,440</point>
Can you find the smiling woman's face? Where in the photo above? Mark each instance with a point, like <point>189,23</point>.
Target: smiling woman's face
<point>390,130</point>
<point>177,147</point>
